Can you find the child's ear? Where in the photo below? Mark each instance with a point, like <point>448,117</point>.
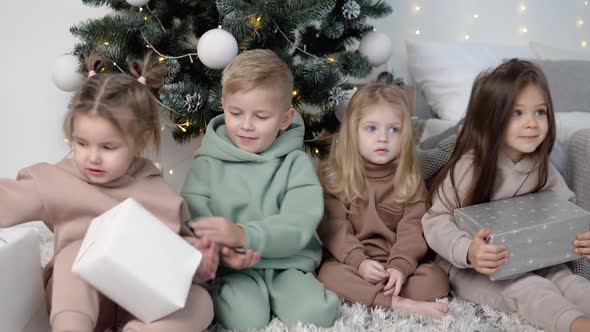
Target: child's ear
<point>287,118</point>
<point>144,141</point>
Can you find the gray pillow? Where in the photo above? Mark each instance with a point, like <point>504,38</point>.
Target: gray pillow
<point>569,82</point>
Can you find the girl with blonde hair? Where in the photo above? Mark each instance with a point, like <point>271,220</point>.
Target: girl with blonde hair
<point>374,202</point>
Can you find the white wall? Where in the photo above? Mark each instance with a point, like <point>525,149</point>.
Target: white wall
<point>551,22</point>
<point>32,35</point>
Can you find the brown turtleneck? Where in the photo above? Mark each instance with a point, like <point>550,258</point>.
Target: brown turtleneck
<point>377,227</point>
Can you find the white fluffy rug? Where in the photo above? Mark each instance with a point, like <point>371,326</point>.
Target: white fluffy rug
<point>464,316</point>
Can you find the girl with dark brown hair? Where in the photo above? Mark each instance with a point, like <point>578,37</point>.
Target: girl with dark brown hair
<point>503,151</point>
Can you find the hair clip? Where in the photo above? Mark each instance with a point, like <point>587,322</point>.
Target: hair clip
<point>91,73</point>
<point>141,80</point>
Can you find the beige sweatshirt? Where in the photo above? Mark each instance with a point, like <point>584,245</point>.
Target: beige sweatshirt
<point>60,196</point>
<point>440,230</point>
<point>378,228</point>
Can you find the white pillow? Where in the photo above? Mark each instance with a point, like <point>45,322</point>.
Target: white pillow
<point>551,53</point>
<point>445,71</point>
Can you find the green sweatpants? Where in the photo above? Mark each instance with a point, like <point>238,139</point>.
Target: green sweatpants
<point>245,299</point>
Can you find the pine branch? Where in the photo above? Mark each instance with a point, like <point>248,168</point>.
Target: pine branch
<point>115,4</point>
<point>375,8</point>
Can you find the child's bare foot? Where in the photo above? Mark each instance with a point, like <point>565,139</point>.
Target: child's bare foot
<point>580,324</point>
<point>430,309</point>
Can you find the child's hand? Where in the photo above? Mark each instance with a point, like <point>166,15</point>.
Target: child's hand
<point>220,230</point>
<point>486,258</point>
<point>395,282</point>
<point>582,244</point>
<point>240,261</point>
<point>209,262</point>
<point>372,271</point>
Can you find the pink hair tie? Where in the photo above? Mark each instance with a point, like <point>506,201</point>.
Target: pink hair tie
<point>141,80</point>
<point>91,73</point>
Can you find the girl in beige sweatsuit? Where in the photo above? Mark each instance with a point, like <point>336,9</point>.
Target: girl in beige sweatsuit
<point>374,243</point>
<point>111,119</point>
<point>502,152</point>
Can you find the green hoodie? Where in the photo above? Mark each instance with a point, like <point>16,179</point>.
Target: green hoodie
<point>274,195</point>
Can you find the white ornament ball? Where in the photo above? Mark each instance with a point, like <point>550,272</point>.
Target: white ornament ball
<point>66,75</point>
<point>137,3</point>
<point>377,47</point>
<point>217,48</point>
<point>343,105</point>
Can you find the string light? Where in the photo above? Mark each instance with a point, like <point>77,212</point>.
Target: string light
<point>417,8</point>
<point>476,16</point>
<point>330,60</point>
<point>317,35</point>
<point>579,23</point>
<point>418,32</point>
<point>145,18</point>
<point>524,29</point>
<point>522,8</point>
<point>140,9</point>
<point>106,43</point>
<point>467,36</point>
<point>171,172</point>
<point>584,43</point>
<point>295,93</point>
<point>66,140</point>
<point>256,22</point>
<point>161,59</point>
<point>585,3</point>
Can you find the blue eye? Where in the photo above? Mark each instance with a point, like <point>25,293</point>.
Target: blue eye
<point>371,129</point>
<point>517,113</point>
<point>394,130</point>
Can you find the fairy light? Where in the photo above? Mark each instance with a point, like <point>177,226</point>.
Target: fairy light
<point>161,59</point>
<point>330,60</point>
<point>524,29</point>
<point>256,22</point>
<point>584,44</point>
<point>417,8</point>
<point>579,23</point>
<point>522,8</point>
<point>467,36</point>
<point>171,172</point>
<point>476,16</point>
<point>147,46</point>
<point>295,93</point>
<point>140,9</point>
<point>66,140</point>
<point>418,32</point>
<point>106,43</point>
<point>317,35</point>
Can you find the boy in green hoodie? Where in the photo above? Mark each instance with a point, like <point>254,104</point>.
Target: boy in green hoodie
<point>255,192</point>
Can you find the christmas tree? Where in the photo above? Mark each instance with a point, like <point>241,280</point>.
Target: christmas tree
<point>195,39</point>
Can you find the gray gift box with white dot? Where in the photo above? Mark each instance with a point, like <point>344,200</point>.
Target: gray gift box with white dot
<point>538,230</point>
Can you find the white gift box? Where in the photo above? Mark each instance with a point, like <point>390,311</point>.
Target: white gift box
<point>137,261</point>
<point>22,297</point>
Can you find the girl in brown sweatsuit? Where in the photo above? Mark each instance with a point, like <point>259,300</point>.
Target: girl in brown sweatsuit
<point>111,119</point>
<point>375,199</point>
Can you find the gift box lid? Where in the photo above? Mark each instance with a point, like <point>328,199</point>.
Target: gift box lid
<point>521,212</point>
